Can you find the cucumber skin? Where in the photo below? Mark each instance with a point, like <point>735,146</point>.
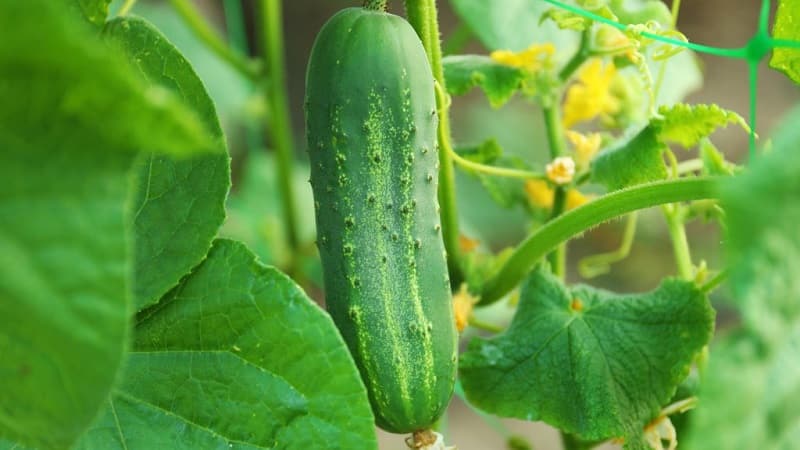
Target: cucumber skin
<point>371,125</point>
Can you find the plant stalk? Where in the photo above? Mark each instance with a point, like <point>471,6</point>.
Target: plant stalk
<point>558,258</point>
<point>680,244</point>
<point>581,219</point>
<point>270,20</point>
<point>423,17</point>
<point>200,27</point>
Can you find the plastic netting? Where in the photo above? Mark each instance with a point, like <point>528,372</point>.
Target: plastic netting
<point>756,49</point>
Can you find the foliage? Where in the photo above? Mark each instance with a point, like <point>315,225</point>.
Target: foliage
<point>128,322</point>
<point>595,364</point>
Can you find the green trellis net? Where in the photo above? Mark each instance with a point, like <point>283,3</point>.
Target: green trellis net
<point>759,45</point>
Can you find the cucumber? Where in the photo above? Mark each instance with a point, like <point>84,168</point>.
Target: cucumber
<point>371,126</point>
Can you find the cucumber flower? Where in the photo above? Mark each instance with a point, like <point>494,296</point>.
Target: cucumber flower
<point>591,95</point>
<point>532,59</point>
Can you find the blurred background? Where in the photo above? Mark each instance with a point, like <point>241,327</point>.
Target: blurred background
<point>254,208</point>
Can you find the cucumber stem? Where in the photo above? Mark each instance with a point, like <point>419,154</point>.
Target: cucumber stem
<point>580,219</point>
<point>375,5</point>
<point>423,17</point>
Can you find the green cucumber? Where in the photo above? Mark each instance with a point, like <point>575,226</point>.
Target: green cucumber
<point>371,124</point>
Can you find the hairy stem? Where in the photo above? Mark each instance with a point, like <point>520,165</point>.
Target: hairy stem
<point>558,258</point>
<point>680,244</point>
<point>581,219</point>
<point>270,20</point>
<point>423,17</point>
<point>577,59</point>
<point>201,28</point>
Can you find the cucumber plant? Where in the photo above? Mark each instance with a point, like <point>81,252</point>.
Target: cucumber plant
<point>145,304</point>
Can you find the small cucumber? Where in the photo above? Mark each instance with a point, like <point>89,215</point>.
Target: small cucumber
<point>371,125</point>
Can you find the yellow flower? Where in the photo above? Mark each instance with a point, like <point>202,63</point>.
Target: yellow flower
<point>561,170</point>
<point>585,146</point>
<point>540,194</point>
<point>575,198</point>
<point>591,95</point>
<point>462,307</point>
<point>532,59</point>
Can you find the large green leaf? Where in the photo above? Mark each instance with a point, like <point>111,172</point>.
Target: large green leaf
<point>749,396</point>
<point>760,362</point>
<point>236,356</point>
<point>763,247</point>
<point>73,77</point>
<point>590,362</point>
<point>632,161</point>
<point>71,118</point>
<point>787,60</point>
<point>179,204</point>
<point>499,82</point>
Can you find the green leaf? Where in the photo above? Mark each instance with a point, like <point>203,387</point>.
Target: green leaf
<point>95,11</point>
<point>714,161</point>
<point>763,249</point>
<point>71,117</point>
<point>763,413</point>
<point>687,124</point>
<point>761,361</point>
<point>51,81</point>
<point>787,60</point>
<point>590,362</point>
<point>179,204</point>
<point>237,355</point>
<point>632,161</point>
<point>512,25</point>
<point>498,81</point>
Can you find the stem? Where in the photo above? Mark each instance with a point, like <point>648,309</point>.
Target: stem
<point>126,7</point>
<point>422,16</point>
<point>554,135</point>
<point>680,245</point>
<point>753,72</point>
<point>580,219</point>
<point>599,264</point>
<point>714,282</point>
<point>557,259</point>
<point>690,165</point>
<point>577,59</point>
<point>496,171</point>
<point>270,20</point>
<point>200,27</point>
